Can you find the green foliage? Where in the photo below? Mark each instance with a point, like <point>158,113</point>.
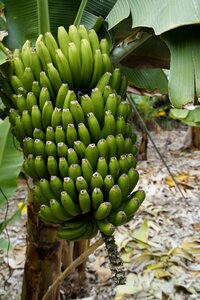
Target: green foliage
<point>10,162</point>
<point>150,107</point>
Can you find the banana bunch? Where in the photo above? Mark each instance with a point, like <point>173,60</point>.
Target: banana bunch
<point>68,112</point>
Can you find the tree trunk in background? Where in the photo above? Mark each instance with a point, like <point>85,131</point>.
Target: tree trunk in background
<point>192,139</point>
<point>143,146</point>
<point>43,256</point>
<point>47,257</point>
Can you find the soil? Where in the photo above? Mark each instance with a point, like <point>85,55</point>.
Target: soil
<point>160,247</point>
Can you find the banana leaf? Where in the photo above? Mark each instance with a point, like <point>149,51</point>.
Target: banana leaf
<point>10,162</point>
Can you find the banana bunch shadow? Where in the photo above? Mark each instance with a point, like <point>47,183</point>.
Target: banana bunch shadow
<point>68,112</point>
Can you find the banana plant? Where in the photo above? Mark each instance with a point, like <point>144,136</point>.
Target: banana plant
<point>124,43</point>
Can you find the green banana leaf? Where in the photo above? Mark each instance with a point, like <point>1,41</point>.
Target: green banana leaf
<point>160,15</point>
<point>10,162</point>
<point>189,116</point>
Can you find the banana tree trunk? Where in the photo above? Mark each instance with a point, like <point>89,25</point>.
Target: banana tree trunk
<point>46,257</point>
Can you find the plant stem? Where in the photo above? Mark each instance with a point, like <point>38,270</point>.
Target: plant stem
<point>70,269</point>
<point>80,12</point>
<point>43,16</point>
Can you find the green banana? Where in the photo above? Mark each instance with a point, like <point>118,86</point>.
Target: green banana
<point>28,146</point>
<point>56,117</point>
<point>112,145</point>
<point>97,197</point>
<point>50,148</point>
<point>62,149</point>
<point>27,79</point>
<point>106,227</point>
<point>69,97</point>
<point>86,63</point>
<point>39,148</point>
<point>74,36</point>
<point>51,44</point>
<point>120,125</point>
<point>91,154</point>
<point>79,147</point>
<point>116,79</point>
<point>19,130</point>
<point>102,148</point>
<point>87,169</point>
<point>46,214</point>
<point>43,97</point>
<point>109,124</point>
<point>70,206</point>
<point>87,104</point>
<point>43,53</point>
<point>35,64</point>
<point>59,212</point>
<point>36,89</point>
<point>115,196</point>
<point>25,53</point>
<point>73,234</point>
<point>77,112</point>
<point>21,103</point>
<point>63,40</point>
<point>71,135</point>
<point>45,82</point>
<point>94,127</point>
<point>75,64</point>
<point>96,181</point>
<point>94,40</point>
<point>46,189</point>
<point>124,164</point>
<point>16,83</point>
<point>107,91</point>
<point>74,171</point>
<point>47,112</point>
<point>124,184</point>
<point>108,184</point>
<point>19,66</point>
<point>62,92</point>
<point>72,156</point>
<point>128,145</point>
<point>39,134</point>
<point>66,118</point>
<point>111,103</point>
<point>50,134</point>
<point>52,166</point>
<point>130,207</point>
<point>133,176</point>
<point>64,68</point>
<point>27,124</point>
<point>31,164</point>
<point>70,187</point>
<point>102,167</point>
<point>114,168</point>
<point>63,166</point>
<point>60,135</point>
<point>98,102</point>
<point>76,222</point>
<point>84,135</point>
<point>118,218</point>
<point>140,195</point>
<point>84,201</point>
<point>12,115</point>
<point>81,184</point>
<point>54,77</point>
<point>131,160</point>
<point>104,46</point>
<point>38,193</point>
<point>123,86</point>
<point>103,210</point>
<point>107,64</point>
<point>40,166</point>
<point>103,81</point>
<point>120,144</point>
<point>30,101</point>
<point>83,32</point>
<point>36,117</point>
<point>56,185</point>
<point>123,109</point>
<point>97,69</point>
